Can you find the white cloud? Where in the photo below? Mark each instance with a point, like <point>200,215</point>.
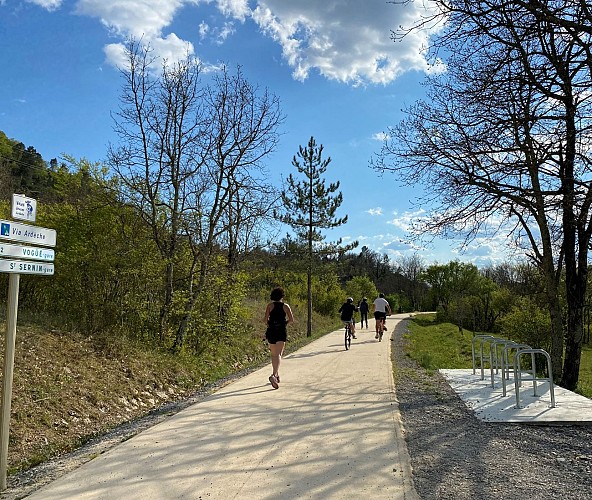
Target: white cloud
<point>115,54</point>
<point>340,39</point>
<point>218,34</point>
<point>344,41</point>
<point>492,249</point>
<point>225,32</point>
<point>374,211</point>
<point>402,239</point>
<point>132,17</point>
<point>204,29</point>
<point>46,4</point>
<point>145,19</point>
<point>380,136</point>
<point>482,252</point>
<point>393,245</point>
<point>172,47</point>
<point>406,220</point>
<point>238,9</point>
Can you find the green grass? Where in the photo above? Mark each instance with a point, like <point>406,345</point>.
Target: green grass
<point>437,346</point>
<point>585,381</point>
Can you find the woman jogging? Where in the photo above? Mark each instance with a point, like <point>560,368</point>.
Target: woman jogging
<point>277,316</point>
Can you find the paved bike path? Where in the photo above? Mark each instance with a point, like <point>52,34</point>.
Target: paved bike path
<point>332,430</point>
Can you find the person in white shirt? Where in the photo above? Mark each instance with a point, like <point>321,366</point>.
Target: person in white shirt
<point>381,309</point>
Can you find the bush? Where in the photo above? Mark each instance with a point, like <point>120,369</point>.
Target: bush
<point>527,323</point>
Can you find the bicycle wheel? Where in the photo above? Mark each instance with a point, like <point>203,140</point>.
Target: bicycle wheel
<point>347,337</point>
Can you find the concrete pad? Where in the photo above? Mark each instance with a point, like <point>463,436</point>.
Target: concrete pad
<point>332,430</point>
<point>490,405</point>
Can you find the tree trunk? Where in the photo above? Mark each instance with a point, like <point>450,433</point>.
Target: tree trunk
<point>576,254</point>
<point>168,299</point>
<point>554,308</point>
<point>180,337</point>
<point>309,290</point>
<point>573,347</point>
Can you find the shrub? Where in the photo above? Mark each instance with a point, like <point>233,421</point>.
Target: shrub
<point>527,323</point>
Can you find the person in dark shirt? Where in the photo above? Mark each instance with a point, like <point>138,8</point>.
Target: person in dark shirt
<point>278,316</point>
<point>347,314</point>
<point>364,308</point>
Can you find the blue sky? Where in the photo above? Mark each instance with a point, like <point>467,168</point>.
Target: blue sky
<point>338,74</point>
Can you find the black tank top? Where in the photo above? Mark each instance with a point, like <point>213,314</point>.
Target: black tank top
<point>277,316</point>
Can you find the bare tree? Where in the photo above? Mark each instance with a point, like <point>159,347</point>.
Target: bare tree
<point>161,128</point>
<point>411,267</point>
<point>232,194</point>
<point>504,140</point>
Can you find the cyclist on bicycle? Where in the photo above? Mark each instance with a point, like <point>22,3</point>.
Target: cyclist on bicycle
<point>381,308</point>
<point>347,314</point>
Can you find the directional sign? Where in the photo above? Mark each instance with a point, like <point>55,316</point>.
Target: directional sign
<point>24,252</point>
<point>15,231</point>
<point>25,267</point>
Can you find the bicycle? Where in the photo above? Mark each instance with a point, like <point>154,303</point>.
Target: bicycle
<point>348,336</point>
<point>380,330</point>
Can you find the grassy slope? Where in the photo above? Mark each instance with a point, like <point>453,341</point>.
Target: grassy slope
<point>440,345</point>
<point>69,388</point>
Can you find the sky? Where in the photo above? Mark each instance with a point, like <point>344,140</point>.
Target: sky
<point>339,76</point>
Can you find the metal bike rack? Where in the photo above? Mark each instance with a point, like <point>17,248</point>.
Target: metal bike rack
<point>518,373</point>
<point>506,364</point>
<point>481,339</point>
<point>494,359</point>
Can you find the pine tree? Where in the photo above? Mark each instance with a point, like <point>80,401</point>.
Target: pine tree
<point>310,206</point>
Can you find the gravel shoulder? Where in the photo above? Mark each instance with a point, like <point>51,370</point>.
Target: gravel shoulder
<point>454,455</point>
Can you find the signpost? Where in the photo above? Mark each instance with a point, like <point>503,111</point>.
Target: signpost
<point>22,259</point>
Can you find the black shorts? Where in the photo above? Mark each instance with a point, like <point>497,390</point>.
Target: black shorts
<point>379,315</point>
<point>274,335</point>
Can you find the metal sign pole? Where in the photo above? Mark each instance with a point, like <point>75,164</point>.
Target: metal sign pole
<point>12,311</point>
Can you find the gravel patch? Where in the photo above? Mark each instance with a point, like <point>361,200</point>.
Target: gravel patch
<point>454,455</point>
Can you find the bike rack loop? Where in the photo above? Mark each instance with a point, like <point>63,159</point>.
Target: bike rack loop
<point>481,339</point>
<point>518,373</point>
<point>506,365</point>
<point>494,360</point>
